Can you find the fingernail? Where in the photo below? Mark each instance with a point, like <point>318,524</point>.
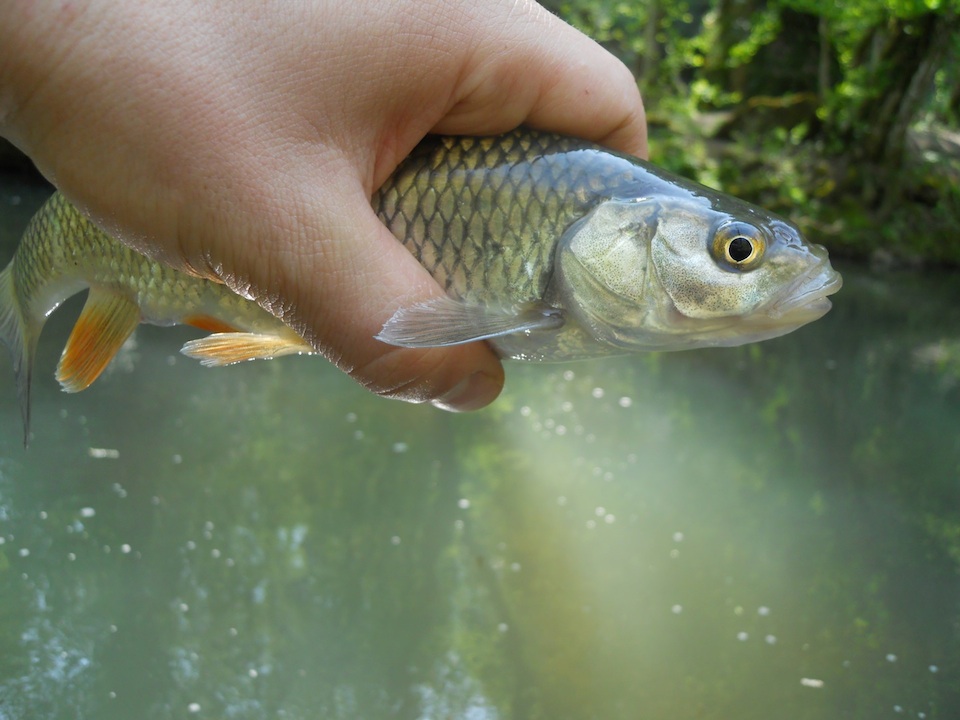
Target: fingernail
<point>472,393</point>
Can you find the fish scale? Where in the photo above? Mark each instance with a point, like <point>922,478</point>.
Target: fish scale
<point>62,251</point>
<point>484,215</point>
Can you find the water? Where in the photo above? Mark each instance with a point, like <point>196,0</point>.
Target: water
<point>771,531</point>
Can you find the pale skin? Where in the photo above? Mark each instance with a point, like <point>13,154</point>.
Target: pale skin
<point>242,141</point>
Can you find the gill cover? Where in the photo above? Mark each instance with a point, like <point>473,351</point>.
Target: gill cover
<point>602,274</point>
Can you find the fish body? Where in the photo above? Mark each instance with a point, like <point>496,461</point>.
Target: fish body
<point>550,248</point>
<point>559,249</point>
<point>62,252</point>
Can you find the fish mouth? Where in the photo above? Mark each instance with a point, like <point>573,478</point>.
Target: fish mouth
<point>807,298</point>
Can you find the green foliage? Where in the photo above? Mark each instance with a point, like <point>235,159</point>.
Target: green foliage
<point>819,108</point>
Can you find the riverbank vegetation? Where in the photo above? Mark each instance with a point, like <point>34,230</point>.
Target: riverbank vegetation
<point>845,116</point>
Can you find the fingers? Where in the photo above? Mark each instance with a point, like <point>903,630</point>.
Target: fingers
<point>339,281</point>
<point>554,78</point>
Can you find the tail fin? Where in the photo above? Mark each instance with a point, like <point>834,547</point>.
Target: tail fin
<point>21,340</point>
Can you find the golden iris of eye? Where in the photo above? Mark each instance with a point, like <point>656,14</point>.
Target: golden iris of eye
<point>739,245</point>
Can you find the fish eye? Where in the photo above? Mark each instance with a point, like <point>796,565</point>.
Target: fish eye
<point>739,245</point>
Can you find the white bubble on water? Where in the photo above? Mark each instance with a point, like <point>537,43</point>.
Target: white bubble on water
<point>87,512</point>
<point>193,707</point>
<point>676,609</point>
<point>597,393</point>
<point>463,503</point>
<point>743,636</point>
<point>625,402</point>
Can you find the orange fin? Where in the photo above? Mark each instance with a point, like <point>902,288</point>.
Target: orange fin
<point>209,323</point>
<point>228,348</point>
<point>104,325</point>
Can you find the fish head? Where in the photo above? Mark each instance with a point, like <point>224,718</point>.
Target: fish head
<point>673,273</point>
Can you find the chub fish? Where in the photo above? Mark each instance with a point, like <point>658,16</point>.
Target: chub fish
<point>549,248</point>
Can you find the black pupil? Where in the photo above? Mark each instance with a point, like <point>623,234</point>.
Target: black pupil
<point>740,249</point>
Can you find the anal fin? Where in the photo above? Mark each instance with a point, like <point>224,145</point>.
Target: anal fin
<point>445,321</point>
<point>232,347</point>
<point>209,323</point>
<point>105,323</point>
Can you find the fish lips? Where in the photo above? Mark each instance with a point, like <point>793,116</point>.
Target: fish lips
<point>807,298</point>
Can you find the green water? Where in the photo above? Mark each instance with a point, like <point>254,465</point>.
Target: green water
<point>761,532</point>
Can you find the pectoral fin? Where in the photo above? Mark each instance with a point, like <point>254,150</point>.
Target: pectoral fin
<point>445,321</point>
<point>232,347</point>
<point>104,325</point>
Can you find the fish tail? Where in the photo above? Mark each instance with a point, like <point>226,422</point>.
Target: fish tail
<point>20,337</point>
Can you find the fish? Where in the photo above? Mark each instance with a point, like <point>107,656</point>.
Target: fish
<point>550,248</point>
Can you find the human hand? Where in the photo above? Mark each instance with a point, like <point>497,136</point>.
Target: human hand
<point>242,141</point>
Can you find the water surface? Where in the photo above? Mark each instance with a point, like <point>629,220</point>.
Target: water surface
<point>769,531</point>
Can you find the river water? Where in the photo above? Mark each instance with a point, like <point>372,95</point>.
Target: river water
<point>761,532</point>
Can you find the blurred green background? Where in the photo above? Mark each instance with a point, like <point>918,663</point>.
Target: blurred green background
<point>841,115</point>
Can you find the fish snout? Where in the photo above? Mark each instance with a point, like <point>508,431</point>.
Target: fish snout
<point>808,295</point>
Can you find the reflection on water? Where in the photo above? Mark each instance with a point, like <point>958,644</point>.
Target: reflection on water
<point>771,531</point>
